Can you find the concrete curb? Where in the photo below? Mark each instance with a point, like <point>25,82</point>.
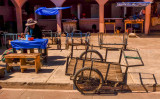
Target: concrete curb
<point>18,85</point>
<point>61,86</point>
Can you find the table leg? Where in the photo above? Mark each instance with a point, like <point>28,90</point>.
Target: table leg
<point>16,36</point>
<point>5,39</point>
<point>125,27</point>
<point>142,28</point>
<point>52,36</point>
<point>105,28</point>
<point>22,62</point>
<point>114,28</point>
<point>13,37</point>
<point>46,54</point>
<point>31,50</point>
<point>41,56</point>
<point>7,66</point>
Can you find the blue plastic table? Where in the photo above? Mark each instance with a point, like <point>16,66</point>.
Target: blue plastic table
<point>36,43</point>
<point>25,44</point>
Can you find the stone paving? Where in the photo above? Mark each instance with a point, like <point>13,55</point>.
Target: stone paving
<point>54,71</point>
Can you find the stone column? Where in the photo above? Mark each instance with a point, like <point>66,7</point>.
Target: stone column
<point>59,3</point>
<point>59,19</point>
<point>18,6</point>
<point>101,14</point>
<point>147,18</point>
<point>101,17</point>
<point>19,20</point>
<point>79,10</point>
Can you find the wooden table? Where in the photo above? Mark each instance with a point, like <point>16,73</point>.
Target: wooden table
<point>23,62</point>
<point>134,22</point>
<point>114,23</point>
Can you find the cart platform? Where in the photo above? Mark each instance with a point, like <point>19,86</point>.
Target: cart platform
<point>110,72</point>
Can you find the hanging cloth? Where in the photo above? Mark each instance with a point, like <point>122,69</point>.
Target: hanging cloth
<point>49,11</point>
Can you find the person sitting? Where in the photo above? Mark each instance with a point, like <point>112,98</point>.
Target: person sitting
<point>33,29</point>
<point>135,17</point>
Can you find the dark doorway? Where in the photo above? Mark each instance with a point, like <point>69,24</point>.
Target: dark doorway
<point>1,22</point>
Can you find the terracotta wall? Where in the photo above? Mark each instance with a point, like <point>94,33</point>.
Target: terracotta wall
<point>85,24</point>
<point>48,24</point>
<point>155,28</point>
<point>8,12</point>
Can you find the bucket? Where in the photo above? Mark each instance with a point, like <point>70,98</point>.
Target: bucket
<point>27,36</point>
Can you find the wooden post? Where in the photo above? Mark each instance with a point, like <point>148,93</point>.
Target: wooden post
<point>22,62</point>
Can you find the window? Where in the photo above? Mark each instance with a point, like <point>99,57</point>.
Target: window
<point>1,2</point>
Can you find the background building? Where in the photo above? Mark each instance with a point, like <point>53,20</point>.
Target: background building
<point>14,13</point>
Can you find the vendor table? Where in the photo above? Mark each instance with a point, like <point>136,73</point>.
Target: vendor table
<point>110,23</point>
<point>36,43</point>
<point>134,22</point>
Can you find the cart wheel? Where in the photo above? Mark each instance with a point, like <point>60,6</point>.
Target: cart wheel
<point>88,81</point>
<point>92,55</point>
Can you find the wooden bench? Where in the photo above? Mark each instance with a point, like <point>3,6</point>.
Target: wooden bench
<point>2,72</point>
<point>24,64</point>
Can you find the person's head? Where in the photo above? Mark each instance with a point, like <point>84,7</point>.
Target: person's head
<point>136,13</point>
<point>31,23</point>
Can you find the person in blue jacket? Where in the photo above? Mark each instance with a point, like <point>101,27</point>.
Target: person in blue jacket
<point>33,29</point>
<point>135,17</point>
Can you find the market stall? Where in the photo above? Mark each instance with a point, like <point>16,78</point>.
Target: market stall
<point>136,21</point>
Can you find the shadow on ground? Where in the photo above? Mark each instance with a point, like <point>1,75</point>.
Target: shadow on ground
<point>144,83</point>
<point>56,61</point>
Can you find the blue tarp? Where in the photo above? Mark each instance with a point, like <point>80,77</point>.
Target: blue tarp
<point>133,4</point>
<point>25,44</point>
<point>49,11</point>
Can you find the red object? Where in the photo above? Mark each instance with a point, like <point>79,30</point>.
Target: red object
<point>31,38</point>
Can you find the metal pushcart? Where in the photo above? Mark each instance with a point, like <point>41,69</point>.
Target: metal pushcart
<point>92,75</point>
<point>77,38</point>
<point>122,42</point>
<point>54,38</point>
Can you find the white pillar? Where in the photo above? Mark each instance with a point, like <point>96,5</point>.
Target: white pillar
<point>125,11</point>
<point>79,10</point>
<point>35,15</point>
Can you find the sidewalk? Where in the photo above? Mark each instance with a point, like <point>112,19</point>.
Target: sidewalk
<point>68,94</point>
<point>53,76</point>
